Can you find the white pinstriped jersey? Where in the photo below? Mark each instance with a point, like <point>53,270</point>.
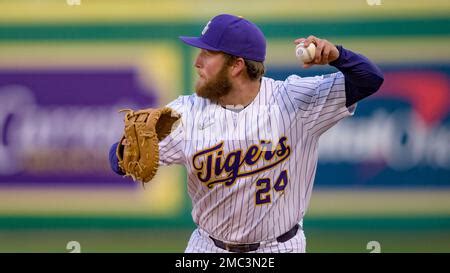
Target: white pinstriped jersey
<point>251,172</point>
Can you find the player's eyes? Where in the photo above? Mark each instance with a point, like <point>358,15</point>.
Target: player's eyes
<point>210,52</point>
<point>205,52</point>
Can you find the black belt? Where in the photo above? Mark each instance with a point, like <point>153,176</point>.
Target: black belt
<point>252,247</point>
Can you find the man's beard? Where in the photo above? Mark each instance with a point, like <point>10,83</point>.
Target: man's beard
<point>216,87</point>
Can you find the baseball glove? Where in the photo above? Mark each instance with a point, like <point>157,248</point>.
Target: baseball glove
<point>138,150</point>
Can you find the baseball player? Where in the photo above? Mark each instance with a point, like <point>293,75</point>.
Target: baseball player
<point>249,143</point>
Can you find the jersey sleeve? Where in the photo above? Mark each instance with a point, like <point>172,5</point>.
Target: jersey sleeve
<point>171,148</point>
<point>320,100</point>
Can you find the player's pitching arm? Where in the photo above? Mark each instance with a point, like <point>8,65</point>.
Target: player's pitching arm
<point>362,76</point>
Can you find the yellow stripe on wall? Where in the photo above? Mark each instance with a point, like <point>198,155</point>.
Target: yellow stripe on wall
<point>182,10</point>
<point>158,63</point>
<point>379,49</point>
<point>162,197</point>
<point>371,202</point>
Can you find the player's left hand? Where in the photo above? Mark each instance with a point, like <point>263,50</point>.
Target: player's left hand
<point>326,52</point>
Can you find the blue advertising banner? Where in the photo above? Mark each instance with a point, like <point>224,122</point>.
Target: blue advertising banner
<point>56,125</point>
<point>398,137</point>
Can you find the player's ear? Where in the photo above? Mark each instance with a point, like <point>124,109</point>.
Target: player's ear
<point>238,67</point>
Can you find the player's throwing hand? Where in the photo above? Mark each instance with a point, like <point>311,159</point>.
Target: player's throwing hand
<point>326,52</point>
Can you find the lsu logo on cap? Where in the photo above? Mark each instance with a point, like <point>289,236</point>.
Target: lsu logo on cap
<point>205,29</point>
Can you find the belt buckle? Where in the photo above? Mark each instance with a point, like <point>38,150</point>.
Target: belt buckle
<point>232,247</point>
<point>239,248</point>
<point>236,248</point>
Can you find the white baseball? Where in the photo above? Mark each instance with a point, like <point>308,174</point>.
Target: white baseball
<point>305,55</point>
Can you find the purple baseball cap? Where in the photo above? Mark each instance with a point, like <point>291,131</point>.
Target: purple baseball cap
<point>233,35</point>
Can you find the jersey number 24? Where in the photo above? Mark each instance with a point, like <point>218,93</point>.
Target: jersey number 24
<point>263,194</point>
